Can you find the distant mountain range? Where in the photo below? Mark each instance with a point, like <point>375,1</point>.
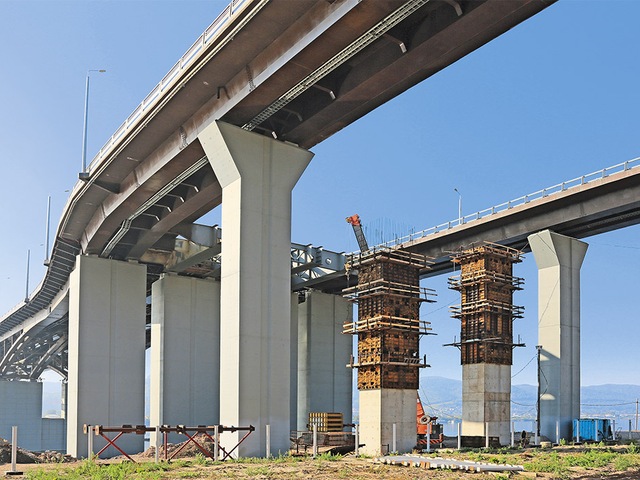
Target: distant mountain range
<point>442,397</point>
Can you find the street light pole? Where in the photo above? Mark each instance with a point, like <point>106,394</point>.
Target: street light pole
<point>83,173</point>
<point>459,206</point>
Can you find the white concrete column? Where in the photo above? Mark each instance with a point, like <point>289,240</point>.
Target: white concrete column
<point>324,381</point>
<point>559,259</point>
<point>106,350</point>
<point>486,397</point>
<point>185,353</point>
<point>379,410</point>
<point>257,175</point>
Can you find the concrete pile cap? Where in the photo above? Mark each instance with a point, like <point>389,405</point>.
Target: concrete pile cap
<point>446,463</point>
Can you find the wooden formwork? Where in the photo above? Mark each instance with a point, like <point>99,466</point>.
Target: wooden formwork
<point>388,326</point>
<point>486,312</point>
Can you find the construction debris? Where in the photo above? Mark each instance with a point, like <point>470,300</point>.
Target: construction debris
<point>446,463</point>
<point>25,456</point>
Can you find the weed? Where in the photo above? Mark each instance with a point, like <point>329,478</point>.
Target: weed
<point>201,460</point>
<point>262,470</point>
<point>330,457</point>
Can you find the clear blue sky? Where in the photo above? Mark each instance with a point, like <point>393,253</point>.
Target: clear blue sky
<point>553,99</point>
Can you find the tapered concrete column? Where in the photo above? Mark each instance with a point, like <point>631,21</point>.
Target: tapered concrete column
<point>185,353</point>
<point>324,380</point>
<point>559,259</point>
<point>486,398</point>
<point>106,350</point>
<point>257,175</point>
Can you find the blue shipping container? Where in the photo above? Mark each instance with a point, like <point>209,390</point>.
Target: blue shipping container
<point>592,429</point>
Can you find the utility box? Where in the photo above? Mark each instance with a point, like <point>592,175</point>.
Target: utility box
<point>592,429</point>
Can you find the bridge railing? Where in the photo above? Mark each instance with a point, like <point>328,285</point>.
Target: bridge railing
<point>186,61</point>
<point>545,192</point>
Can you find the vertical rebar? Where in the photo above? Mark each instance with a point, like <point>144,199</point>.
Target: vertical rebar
<point>558,432</point>
<point>459,437</point>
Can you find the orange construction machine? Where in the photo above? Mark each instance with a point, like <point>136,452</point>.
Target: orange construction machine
<point>427,427</point>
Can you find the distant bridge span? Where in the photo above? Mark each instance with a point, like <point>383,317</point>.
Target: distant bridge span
<point>585,206</point>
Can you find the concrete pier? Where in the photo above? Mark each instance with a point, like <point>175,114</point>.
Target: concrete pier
<point>257,175</point>
<point>559,259</point>
<point>380,410</point>
<point>185,353</point>
<point>324,380</point>
<point>486,398</point>
<point>106,350</point>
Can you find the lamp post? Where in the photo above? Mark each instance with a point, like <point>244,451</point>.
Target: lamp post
<point>459,206</point>
<point>83,173</point>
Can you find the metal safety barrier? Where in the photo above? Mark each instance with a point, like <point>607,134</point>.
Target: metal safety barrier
<point>211,432</point>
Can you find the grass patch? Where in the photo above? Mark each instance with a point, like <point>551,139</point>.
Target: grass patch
<point>93,471</point>
<point>261,470</point>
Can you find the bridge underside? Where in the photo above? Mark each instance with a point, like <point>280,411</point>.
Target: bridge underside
<point>296,71</point>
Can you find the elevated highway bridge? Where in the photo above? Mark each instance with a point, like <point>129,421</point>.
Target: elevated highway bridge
<point>282,77</point>
<point>294,71</point>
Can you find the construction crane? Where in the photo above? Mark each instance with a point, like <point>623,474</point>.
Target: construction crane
<point>354,220</point>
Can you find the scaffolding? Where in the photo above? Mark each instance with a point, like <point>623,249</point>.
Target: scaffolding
<point>388,295</point>
<point>486,285</point>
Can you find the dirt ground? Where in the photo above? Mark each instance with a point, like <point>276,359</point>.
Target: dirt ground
<point>325,468</point>
<point>347,467</point>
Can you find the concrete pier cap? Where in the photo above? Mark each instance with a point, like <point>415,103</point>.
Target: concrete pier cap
<point>559,259</point>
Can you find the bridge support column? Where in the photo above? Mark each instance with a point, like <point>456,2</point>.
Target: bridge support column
<point>324,381</point>
<point>185,353</point>
<point>559,259</point>
<point>257,175</point>
<point>106,350</point>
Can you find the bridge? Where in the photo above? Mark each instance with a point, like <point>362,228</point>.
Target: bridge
<point>131,216</point>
